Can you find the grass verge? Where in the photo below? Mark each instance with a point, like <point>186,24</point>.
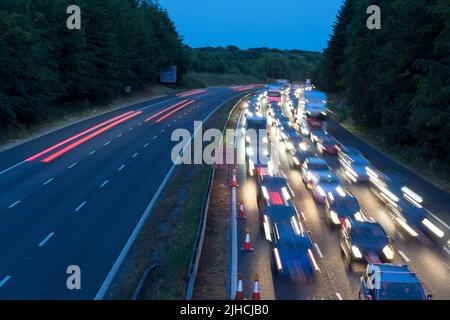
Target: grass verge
<point>168,236</point>
<point>196,79</point>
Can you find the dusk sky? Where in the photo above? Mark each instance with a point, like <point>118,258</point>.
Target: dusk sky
<point>284,24</point>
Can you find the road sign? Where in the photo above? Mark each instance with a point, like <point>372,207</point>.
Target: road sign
<point>168,75</point>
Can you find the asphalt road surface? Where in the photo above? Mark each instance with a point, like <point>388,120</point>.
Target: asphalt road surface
<point>336,280</point>
<point>74,196</point>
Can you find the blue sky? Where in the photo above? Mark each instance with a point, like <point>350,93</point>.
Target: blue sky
<point>283,24</point>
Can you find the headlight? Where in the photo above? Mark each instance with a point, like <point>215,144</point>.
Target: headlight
<point>265,139</point>
<point>356,253</point>
<point>388,252</point>
<point>249,151</point>
<point>321,192</point>
<point>433,228</point>
<point>303,146</point>
<point>334,217</point>
<point>296,161</point>
<point>247,139</point>
<point>290,145</point>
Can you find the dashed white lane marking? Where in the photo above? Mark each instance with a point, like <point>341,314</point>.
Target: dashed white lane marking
<point>146,145</point>
<point>72,165</point>
<point>140,123</point>
<point>119,135</point>
<point>51,234</point>
<point>92,152</point>
<point>130,128</point>
<point>14,204</point>
<point>180,117</point>
<point>134,155</point>
<point>104,183</point>
<point>4,280</point>
<point>162,130</point>
<point>318,250</point>
<point>106,143</point>
<point>174,120</point>
<point>155,137</point>
<point>338,295</point>
<point>80,206</point>
<point>169,125</point>
<point>48,181</point>
<point>400,252</point>
<point>121,167</point>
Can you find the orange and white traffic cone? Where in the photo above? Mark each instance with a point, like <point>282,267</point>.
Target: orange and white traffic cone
<point>240,289</point>
<point>256,295</point>
<point>241,214</point>
<point>234,182</point>
<point>247,243</point>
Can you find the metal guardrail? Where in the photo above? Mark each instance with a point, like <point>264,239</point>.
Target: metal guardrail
<point>196,254</point>
<point>144,277</point>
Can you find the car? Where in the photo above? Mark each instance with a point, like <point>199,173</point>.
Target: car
<point>317,134</point>
<point>365,241</point>
<point>297,157</point>
<point>292,248</point>
<point>256,140</point>
<point>405,206</point>
<point>353,163</point>
<point>273,190</point>
<point>341,204</point>
<point>305,128</point>
<point>295,142</point>
<point>312,165</point>
<point>322,182</point>
<point>327,144</point>
<point>386,281</point>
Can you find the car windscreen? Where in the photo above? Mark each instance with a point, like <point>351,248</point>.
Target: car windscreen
<point>276,94</point>
<point>348,206</point>
<point>401,291</point>
<point>373,235</point>
<point>317,166</point>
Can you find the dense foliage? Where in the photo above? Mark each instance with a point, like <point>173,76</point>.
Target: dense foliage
<point>261,63</point>
<point>44,66</point>
<point>396,79</point>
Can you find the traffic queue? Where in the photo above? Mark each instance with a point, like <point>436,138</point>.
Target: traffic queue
<point>296,119</point>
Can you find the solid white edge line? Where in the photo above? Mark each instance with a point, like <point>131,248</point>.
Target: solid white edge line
<point>12,167</point>
<point>115,268</point>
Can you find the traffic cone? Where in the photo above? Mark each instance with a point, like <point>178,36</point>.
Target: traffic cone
<point>256,295</point>
<point>234,182</point>
<point>241,214</point>
<point>240,289</point>
<point>247,243</point>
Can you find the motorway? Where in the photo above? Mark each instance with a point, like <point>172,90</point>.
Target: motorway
<point>74,196</point>
<point>336,280</point>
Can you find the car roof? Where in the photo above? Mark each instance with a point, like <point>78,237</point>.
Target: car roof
<point>315,160</point>
<point>388,272</point>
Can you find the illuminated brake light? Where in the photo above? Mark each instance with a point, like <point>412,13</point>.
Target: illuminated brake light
<point>276,199</point>
<point>88,137</point>
<point>77,136</point>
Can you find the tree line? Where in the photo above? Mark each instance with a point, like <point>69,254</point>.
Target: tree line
<point>261,63</point>
<point>45,67</point>
<point>395,80</point>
